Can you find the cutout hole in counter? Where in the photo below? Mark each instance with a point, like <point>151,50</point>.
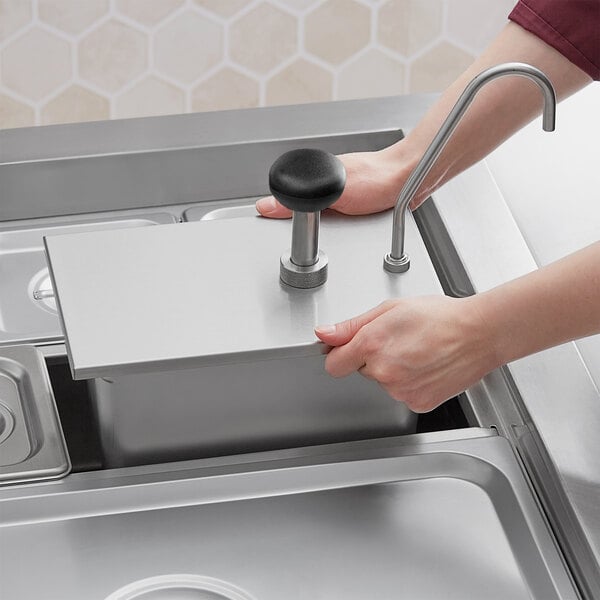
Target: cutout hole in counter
<point>80,425</point>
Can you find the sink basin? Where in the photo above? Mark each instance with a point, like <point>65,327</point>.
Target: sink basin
<point>436,516</point>
<point>23,271</point>
<point>232,409</point>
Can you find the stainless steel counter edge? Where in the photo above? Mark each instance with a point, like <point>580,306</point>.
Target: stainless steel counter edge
<point>342,451</point>
<point>555,386</point>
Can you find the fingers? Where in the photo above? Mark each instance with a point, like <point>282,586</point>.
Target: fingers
<point>269,207</point>
<point>344,360</point>
<point>348,354</point>
<point>341,333</point>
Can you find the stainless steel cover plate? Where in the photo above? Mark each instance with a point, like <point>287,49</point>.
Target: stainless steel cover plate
<point>451,520</point>
<point>32,446</point>
<point>194,294</point>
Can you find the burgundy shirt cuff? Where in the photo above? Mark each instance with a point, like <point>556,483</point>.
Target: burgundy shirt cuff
<point>572,27</point>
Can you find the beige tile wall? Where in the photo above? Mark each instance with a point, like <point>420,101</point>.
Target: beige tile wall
<point>77,60</point>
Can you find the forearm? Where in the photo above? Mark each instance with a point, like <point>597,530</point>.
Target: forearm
<point>555,304</point>
<point>499,109</point>
<point>425,350</point>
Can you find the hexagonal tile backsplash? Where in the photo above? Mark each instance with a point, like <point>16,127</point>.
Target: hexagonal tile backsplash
<point>64,61</point>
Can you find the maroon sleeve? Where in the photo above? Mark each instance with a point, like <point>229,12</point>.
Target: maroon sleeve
<point>570,26</point>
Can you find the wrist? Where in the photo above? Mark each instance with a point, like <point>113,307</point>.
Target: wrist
<point>397,162</point>
<point>400,161</point>
<point>486,331</point>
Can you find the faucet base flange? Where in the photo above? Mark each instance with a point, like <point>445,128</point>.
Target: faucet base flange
<point>396,265</point>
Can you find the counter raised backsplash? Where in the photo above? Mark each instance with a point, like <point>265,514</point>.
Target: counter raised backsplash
<point>241,470</point>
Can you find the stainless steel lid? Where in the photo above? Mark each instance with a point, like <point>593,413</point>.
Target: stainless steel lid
<point>193,294</point>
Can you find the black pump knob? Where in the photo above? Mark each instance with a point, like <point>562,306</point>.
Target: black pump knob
<point>306,181</point>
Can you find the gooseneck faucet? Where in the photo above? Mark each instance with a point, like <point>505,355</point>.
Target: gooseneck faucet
<point>397,261</point>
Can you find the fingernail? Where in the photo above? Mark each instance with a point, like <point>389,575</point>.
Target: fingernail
<point>266,205</point>
<point>325,329</point>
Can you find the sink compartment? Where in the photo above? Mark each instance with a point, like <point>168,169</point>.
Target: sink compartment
<point>234,409</point>
<point>23,271</point>
<point>79,420</point>
<point>220,358</point>
<point>32,446</point>
<point>428,516</point>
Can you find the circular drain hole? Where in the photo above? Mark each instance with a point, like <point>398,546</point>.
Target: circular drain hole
<point>7,422</point>
<point>179,587</point>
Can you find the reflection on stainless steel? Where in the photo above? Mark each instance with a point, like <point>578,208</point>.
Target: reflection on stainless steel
<point>397,261</point>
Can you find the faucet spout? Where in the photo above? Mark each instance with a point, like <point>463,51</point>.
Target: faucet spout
<point>397,261</point>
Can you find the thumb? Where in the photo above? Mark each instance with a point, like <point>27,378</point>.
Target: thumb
<point>341,333</point>
<point>269,207</point>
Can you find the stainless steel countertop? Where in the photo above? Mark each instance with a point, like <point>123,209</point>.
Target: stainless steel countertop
<point>553,189</point>
<point>506,217</point>
<point>556,386</point>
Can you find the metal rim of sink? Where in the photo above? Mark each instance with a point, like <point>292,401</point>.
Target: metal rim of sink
<point>208,588</point>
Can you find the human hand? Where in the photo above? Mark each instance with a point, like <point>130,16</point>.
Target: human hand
<point>422,351</point>
<point>373,182</point>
